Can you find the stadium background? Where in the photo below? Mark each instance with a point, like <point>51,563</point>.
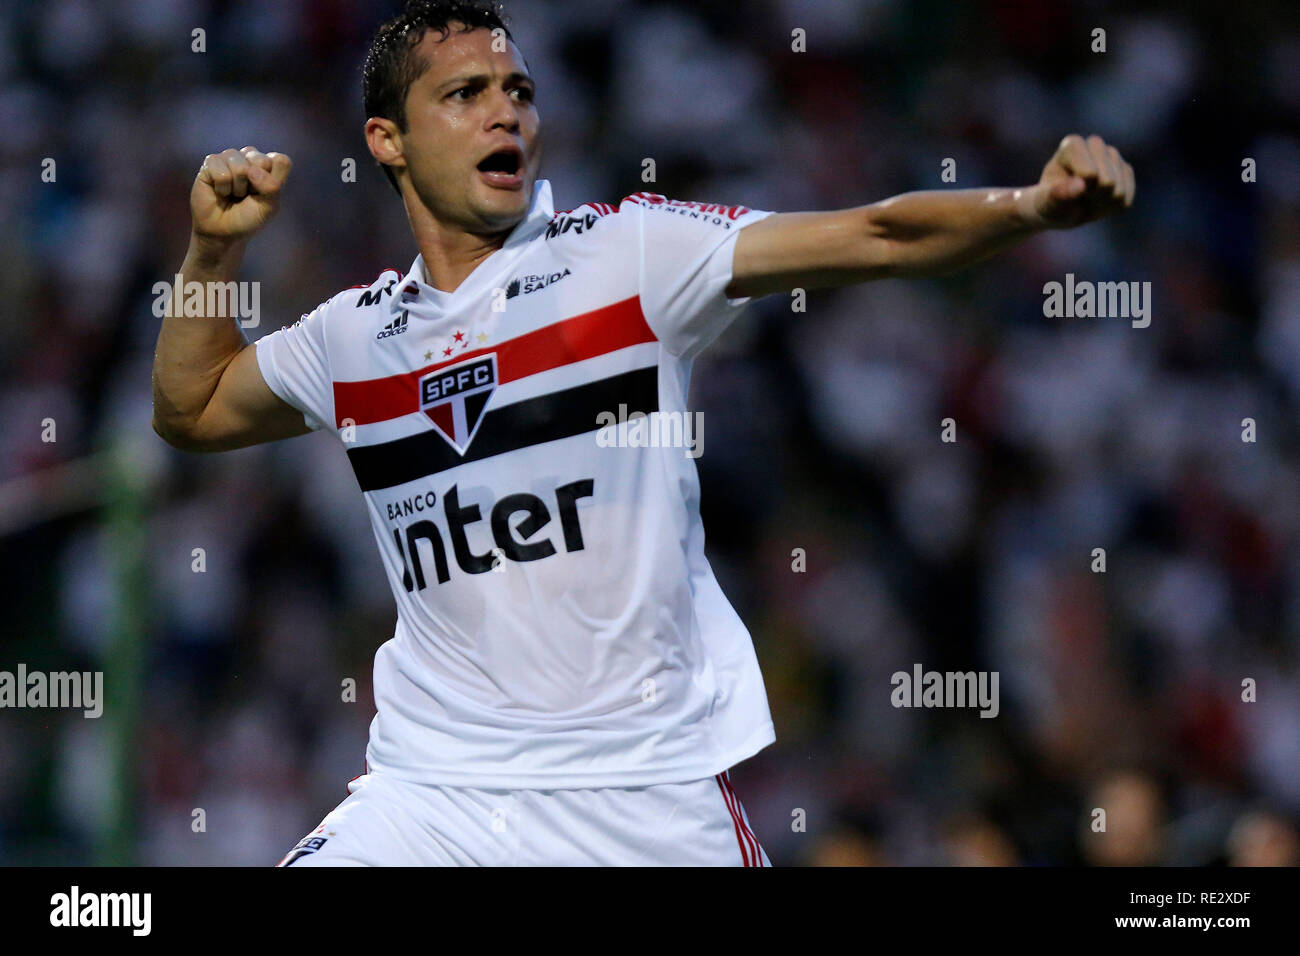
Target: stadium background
<point>1119,690</point>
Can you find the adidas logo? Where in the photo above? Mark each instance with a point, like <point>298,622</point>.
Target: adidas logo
<point>395,327</point>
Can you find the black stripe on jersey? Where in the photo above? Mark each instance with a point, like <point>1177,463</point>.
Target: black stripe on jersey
<point>562,414</point>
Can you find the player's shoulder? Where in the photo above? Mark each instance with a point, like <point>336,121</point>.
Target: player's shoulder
<point>597,219</point>
<point>590,211</point>
<point>379,291</point>
<point>588,220</point>
<point>713,213</point>
<point>376,294</point>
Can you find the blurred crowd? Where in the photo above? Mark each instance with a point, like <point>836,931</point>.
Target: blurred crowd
<point>1121,689</point>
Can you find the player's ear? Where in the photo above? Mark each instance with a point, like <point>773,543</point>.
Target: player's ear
<point>384,140</point>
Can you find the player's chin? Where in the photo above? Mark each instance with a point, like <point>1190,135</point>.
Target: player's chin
<point>504,203</point>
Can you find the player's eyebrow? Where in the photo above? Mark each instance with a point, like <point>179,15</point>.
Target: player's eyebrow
<point>483,79</point>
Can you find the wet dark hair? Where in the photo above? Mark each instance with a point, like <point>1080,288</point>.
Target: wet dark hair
<point>392,65</point>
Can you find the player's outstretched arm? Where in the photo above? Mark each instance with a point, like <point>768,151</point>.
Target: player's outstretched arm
<point>208,392</point>
<point>929,233</point>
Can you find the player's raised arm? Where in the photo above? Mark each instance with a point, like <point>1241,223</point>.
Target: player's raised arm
<point>929,233</point>
<point>208,392</point>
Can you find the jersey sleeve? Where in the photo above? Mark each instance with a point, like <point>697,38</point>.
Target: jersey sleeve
<point>295,365</point>
<point>686,255</point>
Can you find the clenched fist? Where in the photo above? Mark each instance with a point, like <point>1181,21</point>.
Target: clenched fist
<point>1085,180</point>
<point>237,192</point>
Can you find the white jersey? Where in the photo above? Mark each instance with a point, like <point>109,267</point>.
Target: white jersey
<point>557,623</point>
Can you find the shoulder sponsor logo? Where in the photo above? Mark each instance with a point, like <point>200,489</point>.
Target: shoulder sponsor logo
<point>708,208</point>
<point>523,285</point>
<point>714,213</point>
<point>454,398</point>
<point>395,327</point>
<point>569,222</point>
<point>373,298</point>
<point>585,217</point>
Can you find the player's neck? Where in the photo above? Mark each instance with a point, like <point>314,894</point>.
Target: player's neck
<point>450,253</point>
<point>446,267</point>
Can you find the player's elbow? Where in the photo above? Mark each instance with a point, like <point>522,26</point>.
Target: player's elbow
<point>173,421</point>
<point>181,433</point>
<point>172,432</point>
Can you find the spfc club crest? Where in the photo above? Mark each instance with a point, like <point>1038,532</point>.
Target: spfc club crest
<point>454,398</point>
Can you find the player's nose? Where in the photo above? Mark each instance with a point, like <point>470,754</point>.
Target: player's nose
<point>503,112</point>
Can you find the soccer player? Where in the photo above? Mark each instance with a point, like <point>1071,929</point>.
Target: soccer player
<point>566,683</point>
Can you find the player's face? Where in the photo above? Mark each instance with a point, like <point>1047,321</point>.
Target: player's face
<point>472,147</point>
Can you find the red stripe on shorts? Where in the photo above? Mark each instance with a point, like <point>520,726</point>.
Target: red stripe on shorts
<point>735,820</point>
<point>744,824</point>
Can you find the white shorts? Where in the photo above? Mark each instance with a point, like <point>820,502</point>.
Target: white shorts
<point>391,822</point>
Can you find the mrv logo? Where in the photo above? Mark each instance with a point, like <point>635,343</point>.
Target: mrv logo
<point>522,285</point>
<point>514,539</point>
<point>454,398</point>
<point>373,298</point>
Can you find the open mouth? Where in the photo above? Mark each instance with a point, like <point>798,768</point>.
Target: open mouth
<point>503,167</point>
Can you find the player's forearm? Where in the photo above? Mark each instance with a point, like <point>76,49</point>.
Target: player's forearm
<point>936,232</point>
<point>194,350</point>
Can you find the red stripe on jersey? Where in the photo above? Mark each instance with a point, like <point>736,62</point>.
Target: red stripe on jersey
<point>581,337</point>
<point>602,208</point>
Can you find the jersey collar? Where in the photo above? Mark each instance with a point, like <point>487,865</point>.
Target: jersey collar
<point>414,286</point>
